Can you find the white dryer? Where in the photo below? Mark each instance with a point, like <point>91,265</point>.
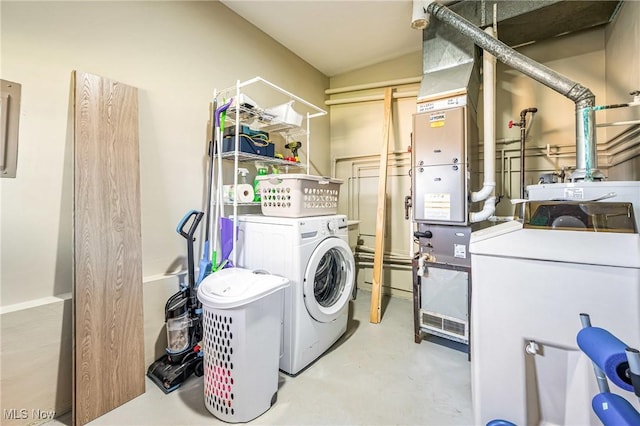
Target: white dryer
<point>314,254</point>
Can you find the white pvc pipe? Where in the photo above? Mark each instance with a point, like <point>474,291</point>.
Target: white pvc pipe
<point>619,123</point>
<point>370,98</point>
<point>419,17</point>
<point>624,156</point>
<point>487,211</point>
<point>488,97</point>
<point>376,85</point>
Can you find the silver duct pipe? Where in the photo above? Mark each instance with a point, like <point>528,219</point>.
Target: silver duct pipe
<point>586,157</point>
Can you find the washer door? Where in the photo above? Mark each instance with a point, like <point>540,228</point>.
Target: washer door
<point>328,279</point>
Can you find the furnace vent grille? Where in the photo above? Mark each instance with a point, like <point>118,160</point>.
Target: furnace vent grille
<point>445,325</point>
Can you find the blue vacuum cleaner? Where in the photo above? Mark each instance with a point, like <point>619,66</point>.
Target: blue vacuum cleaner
<point>183,319</point>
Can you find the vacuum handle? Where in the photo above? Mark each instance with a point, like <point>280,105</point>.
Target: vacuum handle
<point>194,224</point>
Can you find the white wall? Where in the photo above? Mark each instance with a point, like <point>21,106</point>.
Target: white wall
<point>356,130</point>
<point>176,54</point>
<point>581,58</point>
<point>623,76</point>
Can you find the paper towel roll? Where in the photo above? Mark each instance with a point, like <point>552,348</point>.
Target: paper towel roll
<point>607,352</point>
<point>243,194</point>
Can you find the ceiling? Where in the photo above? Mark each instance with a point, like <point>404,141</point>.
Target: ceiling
<point>335,36</point>
<point>338,36</point>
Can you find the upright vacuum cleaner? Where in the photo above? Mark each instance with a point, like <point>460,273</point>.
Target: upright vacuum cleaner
<point>183,319</point>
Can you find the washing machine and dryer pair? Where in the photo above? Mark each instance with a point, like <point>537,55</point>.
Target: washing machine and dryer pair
<point>314,254</point>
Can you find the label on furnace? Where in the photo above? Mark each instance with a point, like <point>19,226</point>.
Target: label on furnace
<point>441,104</point>
<point>460,250</point>
<point>437,119</point>
<point>437,206</point>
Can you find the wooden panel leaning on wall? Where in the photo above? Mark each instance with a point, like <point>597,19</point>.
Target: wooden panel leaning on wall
<point>375,314</point>
<point>107,293</point>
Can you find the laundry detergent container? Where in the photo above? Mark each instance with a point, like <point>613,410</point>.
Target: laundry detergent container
<point>242,327</point>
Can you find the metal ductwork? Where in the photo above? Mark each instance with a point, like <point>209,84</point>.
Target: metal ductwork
<point>449,63</point>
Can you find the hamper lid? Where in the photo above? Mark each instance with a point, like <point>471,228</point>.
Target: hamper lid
<point>234,287</point>
<point>274,178</point>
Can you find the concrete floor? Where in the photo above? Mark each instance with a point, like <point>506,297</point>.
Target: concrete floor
<point>374,375</point>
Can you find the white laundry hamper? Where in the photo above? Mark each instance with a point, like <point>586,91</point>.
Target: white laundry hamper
<point>242,322</point>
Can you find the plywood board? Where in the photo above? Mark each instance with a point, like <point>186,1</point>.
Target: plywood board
<point>375,314</point>
<point>107,299</point>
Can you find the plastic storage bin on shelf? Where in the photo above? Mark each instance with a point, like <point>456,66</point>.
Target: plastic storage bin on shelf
<point>242,321</point>
<point>285,113</point>
<point>298,195</point>
<point>251,141</point>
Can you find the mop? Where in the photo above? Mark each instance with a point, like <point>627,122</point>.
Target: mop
<point>219,220</point>
<point>204,268</point>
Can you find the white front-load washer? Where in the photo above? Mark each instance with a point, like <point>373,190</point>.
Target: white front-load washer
<point>314,254</point>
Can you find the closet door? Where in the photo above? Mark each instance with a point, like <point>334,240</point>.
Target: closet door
<point>107,293</point>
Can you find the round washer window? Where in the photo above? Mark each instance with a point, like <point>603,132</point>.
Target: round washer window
<point>330,278</point>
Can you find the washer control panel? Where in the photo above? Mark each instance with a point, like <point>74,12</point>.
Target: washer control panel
<point>325,226</point>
